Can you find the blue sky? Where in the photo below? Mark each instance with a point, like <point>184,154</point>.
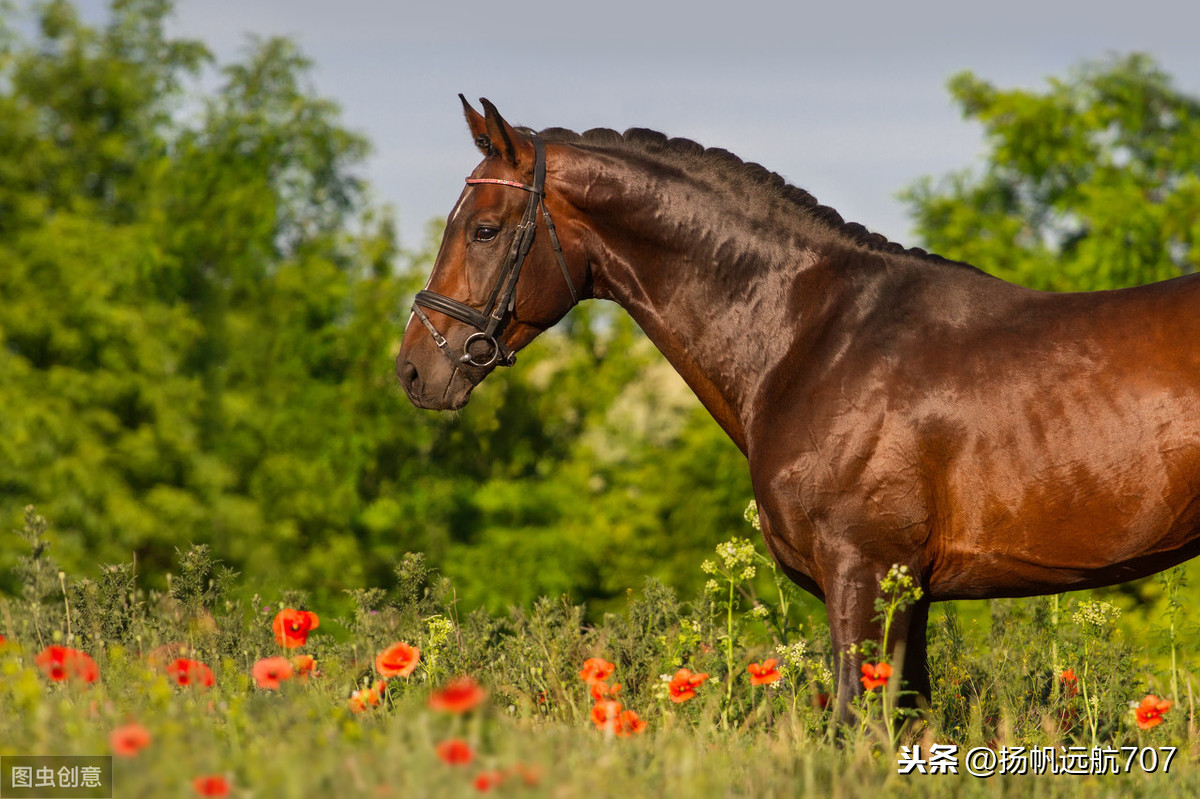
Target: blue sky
<point>845,99</point>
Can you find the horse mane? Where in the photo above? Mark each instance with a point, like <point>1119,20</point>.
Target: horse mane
<point>685,153</point>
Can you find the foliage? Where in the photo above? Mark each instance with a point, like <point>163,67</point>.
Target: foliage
<point>1092,184</point>
<point>339,727</point>
<point>201,311</point>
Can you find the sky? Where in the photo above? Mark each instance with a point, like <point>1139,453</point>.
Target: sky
<point>845,99</point>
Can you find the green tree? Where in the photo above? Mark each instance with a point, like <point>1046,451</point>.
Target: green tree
<point>199,322</point>
<point>1093,183</point>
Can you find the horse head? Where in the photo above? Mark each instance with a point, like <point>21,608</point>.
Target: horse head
<point>501,276</point>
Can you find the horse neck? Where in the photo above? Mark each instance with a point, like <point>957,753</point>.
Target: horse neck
<point>716,287</point>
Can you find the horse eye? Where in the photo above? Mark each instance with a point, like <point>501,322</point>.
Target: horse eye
<point>485,233</point>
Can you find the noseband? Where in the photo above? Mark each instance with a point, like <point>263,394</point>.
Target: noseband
<point>491,321</point>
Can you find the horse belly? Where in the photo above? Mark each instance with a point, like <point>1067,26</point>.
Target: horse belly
<point>1095,489</point>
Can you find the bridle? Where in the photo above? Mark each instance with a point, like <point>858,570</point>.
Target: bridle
<point>491,321</point>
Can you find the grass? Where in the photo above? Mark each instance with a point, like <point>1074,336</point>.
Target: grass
<point>996,685</point>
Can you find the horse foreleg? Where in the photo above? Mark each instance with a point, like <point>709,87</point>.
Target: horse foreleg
<point>853,620</point>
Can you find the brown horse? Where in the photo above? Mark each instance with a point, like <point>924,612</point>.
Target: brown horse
<point>895,407</point>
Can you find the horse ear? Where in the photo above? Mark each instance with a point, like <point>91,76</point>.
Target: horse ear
<point>478,126</point>
<point>506,141</point>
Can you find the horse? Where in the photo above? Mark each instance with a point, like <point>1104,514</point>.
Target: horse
<point>894,407</point>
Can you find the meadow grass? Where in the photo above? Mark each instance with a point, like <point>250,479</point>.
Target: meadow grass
<point>997,686</point>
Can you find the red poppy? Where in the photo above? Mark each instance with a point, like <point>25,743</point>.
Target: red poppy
<point>211,785</point>
<point>1070,682</point>
<point>61,663</point>
<point>458,696</point>
<point>602,690</point>
<point>293,626</point>
<point>269,673</point>
<point>488,780</point>
<point>1151,711</point>
<point>191,672</point>
<point>398,660</point>
<point>683,685</point>
<point>596,670</point>
<point>875,675</point>
<point>628,724</point>
<point>367,698</point>
<point>605,714</point>
<point>129,739</point>
<point>764,673</point>
<point>456,752</point>
<point>304,665</point>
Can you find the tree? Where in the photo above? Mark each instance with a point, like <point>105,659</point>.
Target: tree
<point>1091,184</point>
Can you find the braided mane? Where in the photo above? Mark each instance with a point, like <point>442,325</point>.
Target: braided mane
<point>685,154</point>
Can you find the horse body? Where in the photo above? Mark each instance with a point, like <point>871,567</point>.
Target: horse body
<point>894,408</point>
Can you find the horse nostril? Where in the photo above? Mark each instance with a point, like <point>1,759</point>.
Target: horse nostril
<point>408,374</point>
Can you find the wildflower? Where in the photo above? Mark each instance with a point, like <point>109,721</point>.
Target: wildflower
<point>1096,615</point>
<point>129,739</point>
<point>683,685</point>
<point>398,660</point>
<point>190,672</point>
<point>1070,682</point>
<point>602,690</point>
<point>304,665</point>
<point>61,663</point>
<point>605,713</point>
<point>455,751</point>
<point>596,670</point>
<point>458,696</point>
<point>293,626</point>
<point>875,675</point>
<point>367,697</point>
<point>269,673</point>
<point>488,780</point>
<point>1151,711</point>
<point>628,724</point>
<point>764,673</point>
<point>530,775</point>
<point>211,785</point>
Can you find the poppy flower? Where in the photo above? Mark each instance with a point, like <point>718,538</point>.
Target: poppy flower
<point>605,714</point>
<point>455,751</point>
<point>304,665</point>
<point>61,663</point>
<point>683,685</point>
<point>293,626</point>
<point>596,670</point>
<point>764,673</point>
<point>1070,682</point>
<point>129,739</point>
<point>398,660</point>
<point>365,698</point>
<point>458,696</point>
<point>602,690</point>
<point>191,672</point>
<point>875,675</point>
<point>628,724</point>
<point>269,673</point>
<point>211,785</point>
<point>488,780</point>
<point>1151,711</point>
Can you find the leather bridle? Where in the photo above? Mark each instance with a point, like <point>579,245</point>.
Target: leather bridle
<point>491,321</point>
